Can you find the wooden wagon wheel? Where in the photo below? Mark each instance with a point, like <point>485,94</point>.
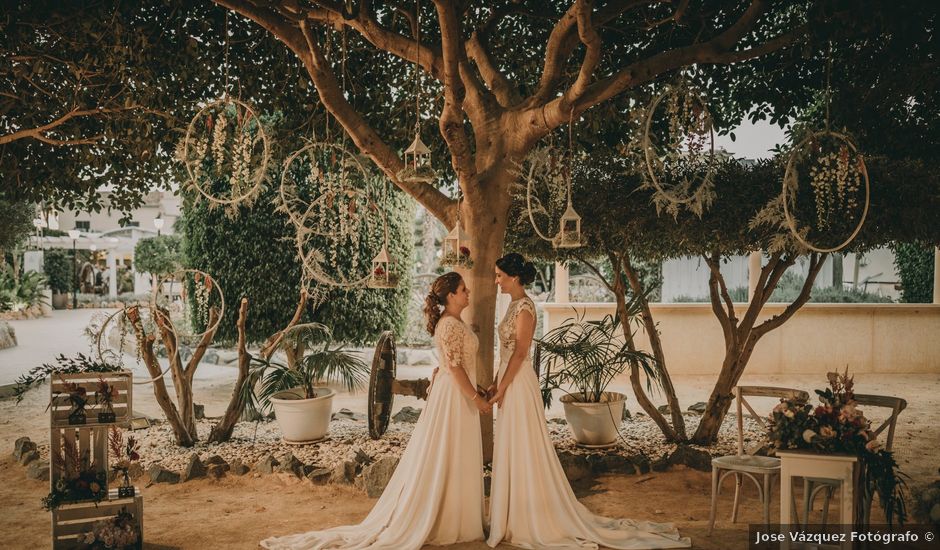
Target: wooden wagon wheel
<point>383,386</point>
<point>380,385</point>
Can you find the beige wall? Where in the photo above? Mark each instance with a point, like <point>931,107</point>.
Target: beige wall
<point>868,338</point>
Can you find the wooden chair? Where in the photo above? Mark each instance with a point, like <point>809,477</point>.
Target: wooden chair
<point>812,486</point>
<point>745,464</point>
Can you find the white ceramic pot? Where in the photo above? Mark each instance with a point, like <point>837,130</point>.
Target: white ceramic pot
<point>302,420</point>
<point>594,423</point>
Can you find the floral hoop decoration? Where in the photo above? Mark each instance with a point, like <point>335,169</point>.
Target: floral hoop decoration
<point>226,153</point>
<point>545,165</point>
<point>838,179</point>
<point>681,165</point>
<point>183,312</point>
<point>124,318</point>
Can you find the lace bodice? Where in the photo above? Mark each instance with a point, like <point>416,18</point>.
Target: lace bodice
<point>507,327</point>
<point>457,346</point>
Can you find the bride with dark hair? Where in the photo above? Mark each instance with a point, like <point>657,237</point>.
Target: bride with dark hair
<point>435,495</point>
<point>531,503</point>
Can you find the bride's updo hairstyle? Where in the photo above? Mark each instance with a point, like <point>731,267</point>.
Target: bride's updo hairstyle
<point>515,265</point>
<point>436,299</point>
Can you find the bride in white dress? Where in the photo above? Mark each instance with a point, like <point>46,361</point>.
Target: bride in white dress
<point>531,503</point>
<point>435,495</point>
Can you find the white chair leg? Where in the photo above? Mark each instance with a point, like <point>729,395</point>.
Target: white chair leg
<point>738,481</point>
<point>766,501</point>
<point>711,515</point>
<point>807,500</point>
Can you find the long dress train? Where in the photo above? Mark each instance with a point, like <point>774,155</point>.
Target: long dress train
<point>531,503</point>
<point>435,495</point>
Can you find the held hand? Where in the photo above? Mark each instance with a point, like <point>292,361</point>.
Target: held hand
<point>482,405</point>
<point>491,391</point>
<point>497,398</point>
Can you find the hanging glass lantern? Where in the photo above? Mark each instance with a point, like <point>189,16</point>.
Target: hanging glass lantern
<point>456,251</point>
<point>417,163</point>
<point>384,271</point>
<point>569,234</point>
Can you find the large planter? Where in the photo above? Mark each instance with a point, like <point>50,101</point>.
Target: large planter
<point>60,300</point>
<point>594,424</point>
<point>303,420</point>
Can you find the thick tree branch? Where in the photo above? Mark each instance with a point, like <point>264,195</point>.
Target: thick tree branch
<point>39,131</point>
<point>592,43</point>
<point>452,120</point>
<point>728,328</point>
<point>815,264</point>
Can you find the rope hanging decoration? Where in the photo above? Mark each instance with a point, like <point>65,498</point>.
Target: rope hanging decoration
<point>417,156</point>
<point>838,179</point>
<point>108,354</point>
<point>226,149</point>
<point>680,166</point>
<point>385,268</point>
<point>455,251</point>
<point>181,312</point>
<point>544,165</point>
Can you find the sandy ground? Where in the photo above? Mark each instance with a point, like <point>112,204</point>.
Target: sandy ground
<point>237,512</point>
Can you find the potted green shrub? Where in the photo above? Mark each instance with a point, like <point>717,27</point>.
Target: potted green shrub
<point>585,357</point>
<point>302,404</point>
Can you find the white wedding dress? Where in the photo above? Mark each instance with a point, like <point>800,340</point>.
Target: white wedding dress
<point>435,495</point>
<point>531,503</point>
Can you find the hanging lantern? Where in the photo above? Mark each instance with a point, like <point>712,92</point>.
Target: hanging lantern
<point>456,251</point>
<point>417,163</point>
<point>384,271</point>
<point>569,234</point>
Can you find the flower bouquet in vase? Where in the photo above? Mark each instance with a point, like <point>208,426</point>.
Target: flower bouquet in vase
<point>105,394</point>
<point>126,453</point>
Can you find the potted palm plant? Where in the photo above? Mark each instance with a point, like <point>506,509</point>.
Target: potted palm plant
<point>302,403</point>
<point>585,357</point>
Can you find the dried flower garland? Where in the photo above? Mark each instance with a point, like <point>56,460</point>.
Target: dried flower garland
<point>226,141</point>
<point>680,166</point>
<point>185,314</point>
<point>838,178</point>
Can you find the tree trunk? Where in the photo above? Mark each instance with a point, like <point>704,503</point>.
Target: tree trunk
<point>678,422</point>
<point>837,270</point>
<point>485,217</point>
<point>223,430</point>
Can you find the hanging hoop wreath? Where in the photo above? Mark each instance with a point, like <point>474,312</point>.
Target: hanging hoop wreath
<point>837,177</point>
<point>680,167</point>
<point>328,195</point>
<point>545,168</point>
<point>107,353</point>
<point>226,153</point>
<point>181,312</point>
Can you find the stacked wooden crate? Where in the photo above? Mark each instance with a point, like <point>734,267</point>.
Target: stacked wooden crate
<point>90,439</point>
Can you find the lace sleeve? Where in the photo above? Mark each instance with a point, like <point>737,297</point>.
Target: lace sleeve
<point>452,342</point>
<point>527,305</point>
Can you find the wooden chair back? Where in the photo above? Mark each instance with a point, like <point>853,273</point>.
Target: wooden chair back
<point>896,404</point>
<point>760,391</point>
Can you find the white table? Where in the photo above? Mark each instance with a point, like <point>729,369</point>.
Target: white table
<point>843,468</point>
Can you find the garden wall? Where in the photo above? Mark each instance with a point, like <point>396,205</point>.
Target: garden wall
<point>868,338</point>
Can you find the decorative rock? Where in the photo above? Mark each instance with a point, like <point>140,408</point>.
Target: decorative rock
<point>619,464</point>
<point>626,414</point>
<point>662,464</point>
<point>346,414</point>
<point>561,421</point>
<point>159,474</point>
<point>21,446</point>
<point>28,457</point>
<point>199,410</point>
<point>361,457</point>
<point>38,469</point>
<point>698,407</point>
<point>238,467</point>
<point>266,465</point>
<point>215,471</point>
<point>576,467</point>
<point>216,460</point>
<point>407,415</point>
<point>420,358</point>
<point>195,468</point>
<point>319,476</point>
<point>375,477</point>
<point>211,356</point>
<point>642,463</point>
<point>290,465</point>
<point>135,470</point>
<point>344,472</point>
<point>693,458</point>
<point>7,335</point>
<point>401,357</point>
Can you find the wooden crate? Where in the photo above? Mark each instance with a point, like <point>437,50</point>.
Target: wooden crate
<point>91,442</point>
<point>71,520</point>
<point>123,402</point>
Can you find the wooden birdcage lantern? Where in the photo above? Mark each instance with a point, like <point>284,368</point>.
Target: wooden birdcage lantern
<point>569,232</point>
<point>456,251</point>
<point>384,271</point>
<point>417,163</point>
